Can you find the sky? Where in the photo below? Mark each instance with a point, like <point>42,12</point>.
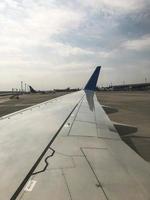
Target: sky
<point>58,43</point>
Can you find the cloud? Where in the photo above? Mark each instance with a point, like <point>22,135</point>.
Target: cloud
<point>38,22</point>
<point>25,28</point>
<point>116,5</point>
<point>140,44</point>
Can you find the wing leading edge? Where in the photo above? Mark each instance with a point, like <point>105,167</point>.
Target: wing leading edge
<point>71,150</point>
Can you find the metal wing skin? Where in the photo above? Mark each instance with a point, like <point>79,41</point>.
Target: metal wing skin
<point>68,149</point>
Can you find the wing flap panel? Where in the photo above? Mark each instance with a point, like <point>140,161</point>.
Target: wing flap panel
<point>117,180</point>
<point>86,129</point>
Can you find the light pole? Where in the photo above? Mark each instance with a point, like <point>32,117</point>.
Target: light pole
<point>21,86</point>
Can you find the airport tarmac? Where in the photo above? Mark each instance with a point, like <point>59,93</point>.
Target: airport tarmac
<point>133,109</point>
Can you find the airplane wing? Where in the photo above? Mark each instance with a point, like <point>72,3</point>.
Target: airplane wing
<point>68,149</point>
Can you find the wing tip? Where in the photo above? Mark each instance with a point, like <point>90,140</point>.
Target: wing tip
<point>92,82</point>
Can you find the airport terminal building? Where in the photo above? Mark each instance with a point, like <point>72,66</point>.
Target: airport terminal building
<point>129,87</point>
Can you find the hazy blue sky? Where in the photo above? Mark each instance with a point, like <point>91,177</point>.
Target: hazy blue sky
<point>57,43</point>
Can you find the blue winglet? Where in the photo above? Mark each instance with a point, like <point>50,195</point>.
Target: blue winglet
<point>91,84</point>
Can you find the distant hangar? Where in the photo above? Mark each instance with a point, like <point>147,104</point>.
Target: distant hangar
<point>128,87</point>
